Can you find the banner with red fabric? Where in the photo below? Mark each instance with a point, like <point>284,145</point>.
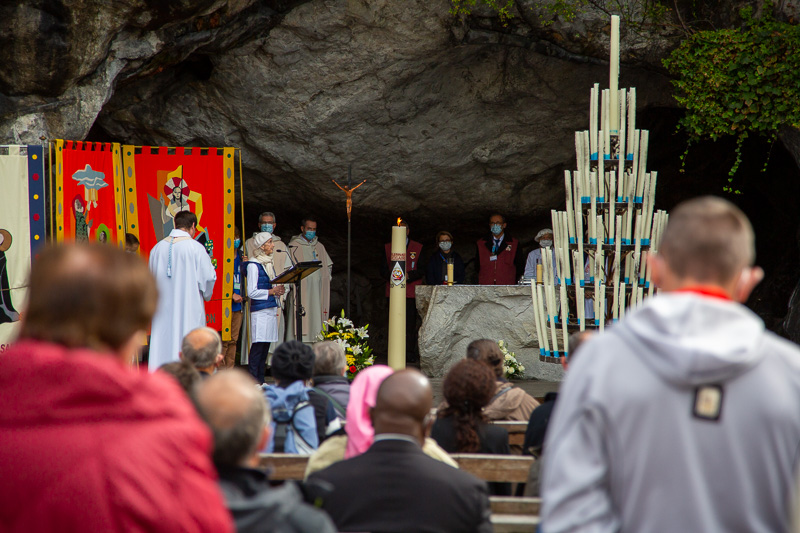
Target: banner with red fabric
<point>159,183</point>
<point>88,192</point>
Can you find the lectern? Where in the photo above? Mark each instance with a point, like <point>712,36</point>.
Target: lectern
<point>295,275</point>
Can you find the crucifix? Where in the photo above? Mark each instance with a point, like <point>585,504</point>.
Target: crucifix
<point>349,192</point>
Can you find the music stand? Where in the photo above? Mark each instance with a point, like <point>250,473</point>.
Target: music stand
<point>295,275</point>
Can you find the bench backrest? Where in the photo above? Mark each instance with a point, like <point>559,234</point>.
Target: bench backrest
<point>488,467</point>
<point>510,468</point>
<point>283,466</point>
<point>516,430</point>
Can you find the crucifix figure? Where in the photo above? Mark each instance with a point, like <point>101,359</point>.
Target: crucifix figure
<point>349,192</point>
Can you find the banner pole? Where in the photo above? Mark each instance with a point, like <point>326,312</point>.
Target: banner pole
<point>52,202</point>
<point>245,305</point>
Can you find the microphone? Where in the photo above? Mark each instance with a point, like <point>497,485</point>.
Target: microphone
<point>290,255</point>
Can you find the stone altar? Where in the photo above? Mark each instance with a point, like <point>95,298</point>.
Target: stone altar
<point>452,317</point>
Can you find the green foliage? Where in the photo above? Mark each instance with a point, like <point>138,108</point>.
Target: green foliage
<point>502,7</point>
<point>738,82</point>
<point>633,13</point>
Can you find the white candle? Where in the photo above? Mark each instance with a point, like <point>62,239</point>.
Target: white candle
<point>622,300</point>
<point>645,199</point>
<point>581,303</point>
<point>535,307</point>
<point>612,198</point>
<point>551,296</point>
<point>643,266</point>
<point>587,163</point>
<point>579,225</point>
<point>564,317</point>
<point>607,125</point>
<point>593,203</point>
<point>639,296</point>
<point>601,185</point>
<point>556,241</point>
<point>635,178</point>
<point>570,217</point>
<point>631,118</point>
<point>600,234</point>
<point>397,299</point>
<point>652,199</point>
<point>622,131</point>
<point>593,126</point>
<point>635,273</point>
<point>617,268</point>
<point>542,318</point>
<point>644,137</point>
<point>602,306</point>
<point>613,68</point>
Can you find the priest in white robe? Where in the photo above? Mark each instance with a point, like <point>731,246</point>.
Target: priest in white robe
<point>315,289</point>
<point>185,277</point>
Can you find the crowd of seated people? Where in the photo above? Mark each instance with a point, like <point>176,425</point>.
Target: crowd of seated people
<point>92,444</point>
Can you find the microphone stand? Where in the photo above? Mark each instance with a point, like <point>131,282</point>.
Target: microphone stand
<point>298,302</point>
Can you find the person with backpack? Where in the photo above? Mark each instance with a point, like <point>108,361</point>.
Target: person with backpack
<point>293,428</point>
<point>331,390</point>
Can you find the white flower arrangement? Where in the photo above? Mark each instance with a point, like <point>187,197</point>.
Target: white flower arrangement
<point>353,340</point>
<point>512,368</point>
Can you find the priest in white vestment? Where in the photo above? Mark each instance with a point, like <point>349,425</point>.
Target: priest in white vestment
<point>315,289</point>
<point>185,277</point>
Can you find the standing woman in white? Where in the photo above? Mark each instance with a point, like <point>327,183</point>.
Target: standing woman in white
<point>264,303</point>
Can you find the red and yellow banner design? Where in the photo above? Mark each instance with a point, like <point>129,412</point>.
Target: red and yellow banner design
<point>160,182</point>
<point>88,192</point>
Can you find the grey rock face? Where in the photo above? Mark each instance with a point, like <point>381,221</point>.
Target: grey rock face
<point>455,316</point>
<point>439,127</point>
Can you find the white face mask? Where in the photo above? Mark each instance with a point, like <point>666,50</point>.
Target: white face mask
<point>445,246</point>
<point>544,243</point>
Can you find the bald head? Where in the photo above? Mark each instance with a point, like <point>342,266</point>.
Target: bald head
<point>201,347</point>
<point>403,403</point>
<point>237,414</point>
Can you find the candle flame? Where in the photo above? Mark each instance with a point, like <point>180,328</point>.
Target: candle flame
<point>399,220</point>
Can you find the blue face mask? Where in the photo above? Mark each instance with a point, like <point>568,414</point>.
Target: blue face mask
<point>445,246</point>
<point>497,229</point>
<point>310,235</point>
<point>237,243</point>
<point>267,227</point>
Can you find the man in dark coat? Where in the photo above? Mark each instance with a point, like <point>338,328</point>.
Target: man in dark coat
<point>398,487</point>
<point>238,415</point>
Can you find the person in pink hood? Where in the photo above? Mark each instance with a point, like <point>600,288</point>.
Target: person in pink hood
<point>358,427</point>
<point>88,443</point>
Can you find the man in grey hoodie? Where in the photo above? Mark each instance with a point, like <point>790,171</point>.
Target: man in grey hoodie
<point>685,415</point>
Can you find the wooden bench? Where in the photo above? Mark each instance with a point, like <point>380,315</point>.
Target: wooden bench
<point>516,430</point>
<point>502,468</point>
<point>509,514</point>
<point>514,523</point>
<point>283,466</point>
<point>515,505</point>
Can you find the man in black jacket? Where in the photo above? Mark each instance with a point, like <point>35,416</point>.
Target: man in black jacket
<point>238,416</point>
<point>393,486</point>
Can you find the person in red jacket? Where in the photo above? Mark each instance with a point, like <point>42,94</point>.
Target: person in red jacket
<point>88,443</point>
<point>414,277</point>
<point>500,257</point>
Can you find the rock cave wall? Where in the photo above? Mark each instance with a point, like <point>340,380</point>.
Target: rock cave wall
<point>448,119</point>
